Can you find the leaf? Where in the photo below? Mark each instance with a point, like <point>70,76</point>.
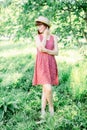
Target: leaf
<point>1,114</point>
<point>11,107</point>
<point>5,107</point>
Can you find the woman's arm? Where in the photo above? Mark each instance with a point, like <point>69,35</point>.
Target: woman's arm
<point>51,52</point>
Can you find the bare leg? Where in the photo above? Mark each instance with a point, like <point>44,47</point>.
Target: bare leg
<point>44,102</point>
<point>49,97</point>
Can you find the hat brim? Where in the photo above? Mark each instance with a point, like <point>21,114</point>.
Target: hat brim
<point>40,21</point>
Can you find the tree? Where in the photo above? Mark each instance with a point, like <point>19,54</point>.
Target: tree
<point>69,17</point>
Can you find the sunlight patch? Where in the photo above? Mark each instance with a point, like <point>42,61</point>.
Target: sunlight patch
<point>69,56</point>
<point>10,78</point>
<point>15,52</point>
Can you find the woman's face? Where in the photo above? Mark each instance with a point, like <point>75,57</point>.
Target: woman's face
<point>41,28</point>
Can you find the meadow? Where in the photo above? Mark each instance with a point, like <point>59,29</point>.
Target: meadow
<point>20,102</point>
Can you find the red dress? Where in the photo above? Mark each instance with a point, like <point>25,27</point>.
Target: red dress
<point>45,71</point>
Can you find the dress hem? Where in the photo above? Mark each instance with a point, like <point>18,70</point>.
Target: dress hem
<point>46,83</point>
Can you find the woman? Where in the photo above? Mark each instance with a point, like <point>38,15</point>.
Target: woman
<point>45,72</point>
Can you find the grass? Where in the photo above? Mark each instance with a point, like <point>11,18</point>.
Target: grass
<point>20,102</point>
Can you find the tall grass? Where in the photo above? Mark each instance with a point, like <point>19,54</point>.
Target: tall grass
<point>79,79</point>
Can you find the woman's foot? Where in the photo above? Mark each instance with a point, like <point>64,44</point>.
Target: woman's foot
<point>42,118</point>
<point>43,113</point>
<point>40,122</point>
<point>51,110</point>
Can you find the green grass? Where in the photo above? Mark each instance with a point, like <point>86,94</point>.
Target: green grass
<point>20,102</point>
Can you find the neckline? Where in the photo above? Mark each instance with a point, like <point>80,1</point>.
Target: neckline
<point>49,38</point>
<point>46,39</point>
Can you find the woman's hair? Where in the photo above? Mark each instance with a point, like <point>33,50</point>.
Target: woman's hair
<point>40,23</point>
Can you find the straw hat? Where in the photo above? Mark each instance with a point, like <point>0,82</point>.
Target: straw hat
<point>44,20</point>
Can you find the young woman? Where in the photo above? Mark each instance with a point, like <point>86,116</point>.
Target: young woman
<point>45,72</point>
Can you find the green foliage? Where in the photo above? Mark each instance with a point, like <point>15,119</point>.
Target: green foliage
<point>68,18</point>
<point>7,108</point>
<point>25,82</point>
<point>79,80</point>
<point>65,74</point>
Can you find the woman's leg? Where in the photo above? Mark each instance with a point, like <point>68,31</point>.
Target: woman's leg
<point>44,101</point>
<point>49,97</point>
